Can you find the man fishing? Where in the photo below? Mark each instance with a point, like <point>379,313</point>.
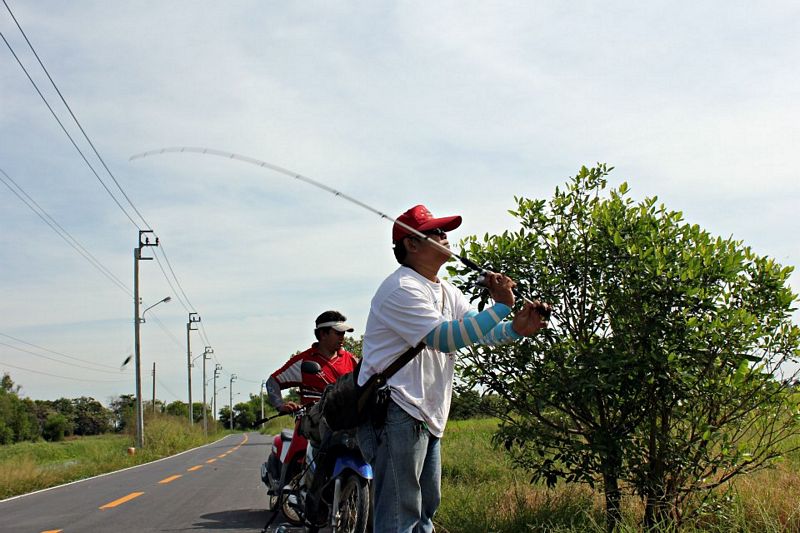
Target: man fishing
<point>330,329</point>
<point>414,305</point>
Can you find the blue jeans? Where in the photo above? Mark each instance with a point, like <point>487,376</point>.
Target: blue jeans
<point>407,466</point>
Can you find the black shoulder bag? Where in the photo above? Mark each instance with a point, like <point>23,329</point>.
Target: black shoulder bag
<point>346,404</point>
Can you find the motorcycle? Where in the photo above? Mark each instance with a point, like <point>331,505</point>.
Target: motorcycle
<point>319,482</point>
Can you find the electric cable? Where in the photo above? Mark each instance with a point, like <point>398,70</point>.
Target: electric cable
<point>187,305</point>
<point>171,286</point>
<point>61,232</point>
<point>58,353</point>
<point>175,277</point>
<point>94,149</point>
<point>161,384</point>
<point>62,377</point>
<point>56,360</point>
<point>165,330</point>
<point>77,122</point>
<point>64,129</point>
<point>205,335</point>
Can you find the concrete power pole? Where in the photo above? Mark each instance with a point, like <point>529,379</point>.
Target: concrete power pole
<point>154,387</point>
<point>261,393</point>
<point>144,241</point>
<point>193,319</point>
<point>230,387</point>
<point>206,355</point>
<point>217,370</point>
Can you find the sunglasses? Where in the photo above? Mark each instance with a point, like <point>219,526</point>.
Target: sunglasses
<point>438,232</point>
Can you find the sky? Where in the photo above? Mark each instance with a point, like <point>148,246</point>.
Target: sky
<point>456,105</point>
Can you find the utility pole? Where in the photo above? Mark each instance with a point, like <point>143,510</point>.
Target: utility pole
<point>261,393</point>
<point>144,241</point>
<point>154,387</point>
<point>206,355</point>
<point>230,387</point>
<point>217,370</point>
<point>193,319</point>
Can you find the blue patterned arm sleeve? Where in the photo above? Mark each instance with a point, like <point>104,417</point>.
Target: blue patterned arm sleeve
<point>486,327</point>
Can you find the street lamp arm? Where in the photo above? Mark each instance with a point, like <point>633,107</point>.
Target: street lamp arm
<point>164,300</point>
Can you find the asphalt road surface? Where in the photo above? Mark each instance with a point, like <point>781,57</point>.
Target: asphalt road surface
<point>213,488</point>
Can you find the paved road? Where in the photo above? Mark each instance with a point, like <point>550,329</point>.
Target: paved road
<point>216,488</point>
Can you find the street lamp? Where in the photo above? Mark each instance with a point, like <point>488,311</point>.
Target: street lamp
<point>215,395</point>
<point>162,301</point>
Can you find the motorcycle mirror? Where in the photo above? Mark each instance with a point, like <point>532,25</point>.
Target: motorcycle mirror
<point>310,367</point>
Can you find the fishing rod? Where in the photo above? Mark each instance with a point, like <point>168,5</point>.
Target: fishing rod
<point>482,272</point>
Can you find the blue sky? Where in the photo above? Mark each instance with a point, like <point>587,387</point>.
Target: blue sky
<point>457,105</point>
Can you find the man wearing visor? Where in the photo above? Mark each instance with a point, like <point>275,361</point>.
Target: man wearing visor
<point>330,329</point>
<point>414,305</point>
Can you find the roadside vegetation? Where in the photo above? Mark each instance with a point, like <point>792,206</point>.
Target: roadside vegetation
<point>482,491</point>
<point>669,367</point>
<point>44,443</point>
<point>30,466</point>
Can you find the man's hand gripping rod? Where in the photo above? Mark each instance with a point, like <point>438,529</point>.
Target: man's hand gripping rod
<point>263,164</point>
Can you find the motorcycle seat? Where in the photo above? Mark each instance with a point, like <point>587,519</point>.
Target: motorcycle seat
<point>287,434</point>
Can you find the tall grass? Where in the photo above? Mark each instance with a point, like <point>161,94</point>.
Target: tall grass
<point>275,425</point>
<point>29,466</point>
<point>481,492</point>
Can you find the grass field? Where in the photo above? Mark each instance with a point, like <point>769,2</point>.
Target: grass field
<point>29,466</point>
<point>481,492</point>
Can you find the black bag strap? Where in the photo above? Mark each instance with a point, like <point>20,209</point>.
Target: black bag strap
<point>379,380</point>
<point>401,361</point>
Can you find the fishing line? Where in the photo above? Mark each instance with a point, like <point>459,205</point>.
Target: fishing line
<point>482,272</point>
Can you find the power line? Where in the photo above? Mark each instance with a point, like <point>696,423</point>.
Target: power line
<point>57,353</point>
<point>56,360</point>
<point>164,253</point>
<point>61,232</point>
<point>64,129</point>
<point>187,305</point>
<point>63,377</point>
<point>77,122</point>
<point>169,282</point>
<point>166,331</point>
<point>161,384</point>
<point>205,336</point>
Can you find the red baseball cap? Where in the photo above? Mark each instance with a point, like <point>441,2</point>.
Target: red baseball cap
<point>420,219</point>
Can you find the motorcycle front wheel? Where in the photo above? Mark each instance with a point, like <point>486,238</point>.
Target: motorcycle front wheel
<point>354,505</point>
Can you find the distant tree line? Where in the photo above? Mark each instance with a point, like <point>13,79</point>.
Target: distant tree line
<point>24,419</point>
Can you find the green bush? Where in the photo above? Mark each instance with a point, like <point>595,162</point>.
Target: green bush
<point>55,427</point>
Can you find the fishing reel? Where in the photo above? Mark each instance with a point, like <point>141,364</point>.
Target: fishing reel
<point>543,310</point>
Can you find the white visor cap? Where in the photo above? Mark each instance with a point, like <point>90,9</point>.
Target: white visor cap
<point>338,326</point>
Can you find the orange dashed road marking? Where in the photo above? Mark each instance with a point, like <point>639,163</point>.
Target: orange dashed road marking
<point>210,460</point>
<point>53,531</point>
<point>223,455</point>
<point>122,500</point>
<point>170,478</point>
<point>198,467</point>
